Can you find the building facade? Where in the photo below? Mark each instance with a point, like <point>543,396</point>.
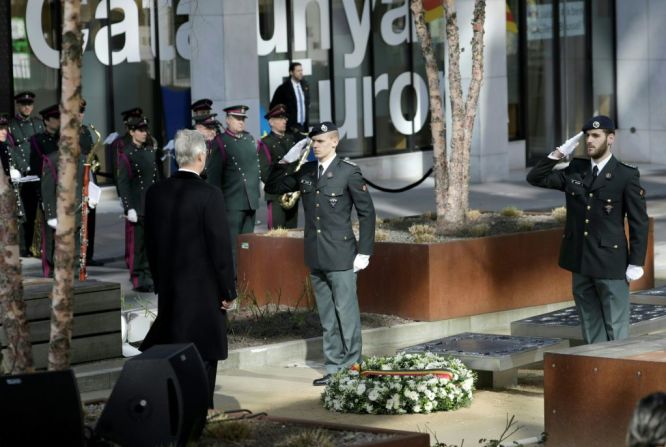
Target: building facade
<point>549,65</point>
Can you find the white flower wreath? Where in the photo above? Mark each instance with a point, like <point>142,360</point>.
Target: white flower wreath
<point>404,383</point>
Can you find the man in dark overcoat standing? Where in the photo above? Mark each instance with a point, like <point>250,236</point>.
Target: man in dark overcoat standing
<point>601,193</point>
<point>189,253</point>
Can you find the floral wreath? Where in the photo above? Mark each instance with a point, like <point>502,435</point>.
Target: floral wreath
<point>405,383</point>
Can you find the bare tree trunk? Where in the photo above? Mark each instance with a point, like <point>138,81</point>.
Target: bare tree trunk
<point>437,121</point>
<point>68,161</point>
<point>12,306</point>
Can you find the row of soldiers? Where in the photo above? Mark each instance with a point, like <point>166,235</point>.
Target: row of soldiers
<point>237,163</point>
<point>29,153</point>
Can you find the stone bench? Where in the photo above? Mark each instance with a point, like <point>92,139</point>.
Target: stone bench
<point>590,391</point>
<point>495,358</point>
<point>564,323</point>
<point>96,326</point>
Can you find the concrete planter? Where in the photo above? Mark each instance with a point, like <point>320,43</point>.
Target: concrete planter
<point>428,282</point>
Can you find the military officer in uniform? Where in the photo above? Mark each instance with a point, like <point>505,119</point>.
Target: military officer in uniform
<point>116,142</point>
<point>203,106</point>
<point>8,154</point>
<point>600,193</point>
<point>329,188</point>
<point>138,168</point>
<point>22,127</point>
<point>207,125</point>
<point>275,145</point>
<point>240,174</point>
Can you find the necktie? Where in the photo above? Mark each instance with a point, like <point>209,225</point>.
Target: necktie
<point>300,109</point>
<point>595,172</point>
<point>321,171</point>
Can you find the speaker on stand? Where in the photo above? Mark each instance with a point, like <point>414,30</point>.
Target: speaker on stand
<point>160,398</point>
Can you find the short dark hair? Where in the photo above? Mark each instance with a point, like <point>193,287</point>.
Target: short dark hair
<point>293,65</point>
<point>648,424</point>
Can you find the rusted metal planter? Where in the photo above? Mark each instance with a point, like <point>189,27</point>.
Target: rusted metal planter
<point>428,282</point>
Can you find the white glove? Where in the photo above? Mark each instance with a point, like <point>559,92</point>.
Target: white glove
<point>94,194</point>
<point>132,217</point>
<point>14,174</point>
<point>53,223</point>
<point>634,272</point>
<point>111,138</point>
<point>570,145</point>
<point>361,262</point>
<point>295,152</point>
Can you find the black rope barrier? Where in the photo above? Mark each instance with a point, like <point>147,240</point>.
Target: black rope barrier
<point>404,188</point>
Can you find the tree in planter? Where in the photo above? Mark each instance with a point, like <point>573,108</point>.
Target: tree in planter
<point>452,173</point>
<point>68,162</point>
<point>12,306</point>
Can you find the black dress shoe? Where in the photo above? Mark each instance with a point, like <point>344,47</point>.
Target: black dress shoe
<point>322,381</point>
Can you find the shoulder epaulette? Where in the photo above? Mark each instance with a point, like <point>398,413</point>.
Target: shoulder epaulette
<point>628,165</point>
<point>348,161</point>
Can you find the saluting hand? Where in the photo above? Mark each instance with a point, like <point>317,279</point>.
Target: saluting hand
<point>570,145</point>
<point>295,152</point>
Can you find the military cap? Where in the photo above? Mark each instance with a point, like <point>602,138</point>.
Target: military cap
<point>137,122</point>
<point>321,128</point>
<point>201,104</point>
<point>239,110</point>
<point>25,97</point>
<point>599,122</point>
<point>4,121</point>
<point>207,120</point>
<point>133,112</point>
<point>279,111</point>
<point>50,112</point>
<point>82,107</point>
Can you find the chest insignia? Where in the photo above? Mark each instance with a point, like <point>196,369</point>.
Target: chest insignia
<point>329,175</point>
<point>609,175</point>
<point>608,208</point>
<point>333,201</point>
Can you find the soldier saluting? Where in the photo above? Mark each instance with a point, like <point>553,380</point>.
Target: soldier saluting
<point>329,188</point>
<point>22,127</point>
<point>137,168</point>
<point>600,193</point>
<point>275,145</point>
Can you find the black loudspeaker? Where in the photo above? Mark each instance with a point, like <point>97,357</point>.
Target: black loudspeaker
<point>161,398</point>
<point>41,408</point>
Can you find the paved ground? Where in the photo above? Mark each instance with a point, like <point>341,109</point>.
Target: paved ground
<point>286,390</point>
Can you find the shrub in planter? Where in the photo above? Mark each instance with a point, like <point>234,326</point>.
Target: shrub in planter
<point>400,384</point>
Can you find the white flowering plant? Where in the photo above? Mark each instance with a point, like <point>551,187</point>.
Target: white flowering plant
<point>404,383</point>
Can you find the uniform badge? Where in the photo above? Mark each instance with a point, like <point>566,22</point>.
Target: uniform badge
<point>325,129</point>
<point>642,192</point>
<point>608,208</point>
<point>596,124</point>
<point>329,175</point>
<point>609,175</point>
<point>333,201</point>
<point>364,187</point>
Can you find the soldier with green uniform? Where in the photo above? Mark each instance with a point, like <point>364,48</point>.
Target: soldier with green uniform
<point>330,187</point>
<point>138,168</point>
<point>239,166</point>
<point>22,128</point>
<point>274,146</point>
<point>600,194</point>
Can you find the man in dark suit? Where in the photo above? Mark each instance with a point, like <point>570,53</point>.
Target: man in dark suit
<point>600,193</point>
<point>189,252</point>
<point>329,188</point>
<point>294,93</point>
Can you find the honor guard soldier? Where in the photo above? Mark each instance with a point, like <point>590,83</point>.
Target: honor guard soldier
<point>600,193</point>
<point>138,168</point>
<point>202,106</point>
<point>115,141</point>
<point>8,154</point>
<point>49,184</point>
<point>22,127</point>
<point>207,125</point>
<point>329,187</point>
<point>240,174</point>
<point>275,145</point>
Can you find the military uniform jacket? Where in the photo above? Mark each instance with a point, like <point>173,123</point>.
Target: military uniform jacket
<point>49,185</point>
<point>240,171</point>
<point>330,244</point>
<point>10,154</point>
<point>271,151</point>
<point>594,241</point>
<point>137,169</point>
<point>22,130</point>
<point>41,146</point>
<point>215,161</point>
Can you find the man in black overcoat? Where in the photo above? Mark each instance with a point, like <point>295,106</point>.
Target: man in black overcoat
<point>189,253</point>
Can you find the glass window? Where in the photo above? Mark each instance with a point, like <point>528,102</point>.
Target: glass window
<point>603,60</point>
